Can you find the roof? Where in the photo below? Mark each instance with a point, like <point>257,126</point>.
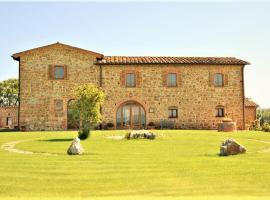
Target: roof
<point>250,103</point>
<point>6,107</point>
<point>125,60</point>
<point>17,56</point>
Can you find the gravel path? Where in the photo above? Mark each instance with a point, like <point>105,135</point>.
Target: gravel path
<point>10,147</point>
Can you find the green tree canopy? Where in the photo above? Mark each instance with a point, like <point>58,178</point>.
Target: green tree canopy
<point>86,106</point>
<point>263,115</point>
<point>9,92</point>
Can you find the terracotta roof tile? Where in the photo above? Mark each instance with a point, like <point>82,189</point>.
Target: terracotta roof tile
<point>250,103</point>
<point>170,60</point>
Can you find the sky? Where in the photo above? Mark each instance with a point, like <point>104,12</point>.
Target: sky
<point>216,28</point>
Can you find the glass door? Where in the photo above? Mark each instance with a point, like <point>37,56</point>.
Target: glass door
<point>130,115</point>
<point>126,116</point>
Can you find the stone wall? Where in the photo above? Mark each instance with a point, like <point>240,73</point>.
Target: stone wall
<point>250,113</point>
<point>39,94</point>
<point>44,101</point>
<point>195,99</point>
<point>8,112</point>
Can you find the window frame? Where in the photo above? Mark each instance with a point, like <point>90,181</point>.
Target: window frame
<point>218,83</point>
<point>52,72</point>
<point>171,113</point>
<point>59,72</point>
<point>126,82</point>
<point>8,119</point>
<point>218,108</point>
<point>168,80</point>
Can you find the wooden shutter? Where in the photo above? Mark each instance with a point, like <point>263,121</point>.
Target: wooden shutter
<point>50,72</point>
<point>226,77</point>
<point>164,78</point>
<point>123,78</point>
<point>211,78</point>
<point>138,79</point>
<point>65,72</point>
<point>179,78</point>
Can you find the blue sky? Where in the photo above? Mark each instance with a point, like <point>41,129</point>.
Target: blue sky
<point>240,29</point>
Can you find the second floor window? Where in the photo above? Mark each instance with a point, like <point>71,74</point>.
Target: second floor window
<point>171,80</point>
<point>130,80</point>
<point>219,80</point>
<point>59,72</point>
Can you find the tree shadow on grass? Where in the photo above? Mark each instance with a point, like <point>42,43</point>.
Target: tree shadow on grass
<point>57,140</point>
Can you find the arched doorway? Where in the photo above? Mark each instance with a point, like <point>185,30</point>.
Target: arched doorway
<point>72,122</point>
<point>130,115</point>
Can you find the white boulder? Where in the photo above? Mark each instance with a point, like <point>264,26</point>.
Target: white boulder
<point>75,148</point>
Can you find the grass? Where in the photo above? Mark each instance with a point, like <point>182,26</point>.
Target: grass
<point>177,165</point>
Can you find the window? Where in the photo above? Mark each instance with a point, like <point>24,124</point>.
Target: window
<point>171,80</point>
<point>220,112</point>
<point>130,80</point>
<point>218,80</point>
<point>9,121</point>
<point>172,113</point>
<point>59,72</point>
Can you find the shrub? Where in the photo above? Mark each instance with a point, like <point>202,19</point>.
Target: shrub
<point>151,124</point>
<point>86,107</point>
<point>110,125</point>
<point>84,133</point>
<point>255,126</point>
<point>266,127</point>
<point>140,135</point>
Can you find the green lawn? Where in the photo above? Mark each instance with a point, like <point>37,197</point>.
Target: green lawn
<point>177,165</point>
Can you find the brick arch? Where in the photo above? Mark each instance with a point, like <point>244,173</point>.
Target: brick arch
<point>69,126</point>
<point>124,101</point>
<point>145,107</point>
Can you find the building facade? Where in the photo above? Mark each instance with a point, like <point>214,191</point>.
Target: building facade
<point>9,117</point>
<point>183,92</point>
<point>250,111</point>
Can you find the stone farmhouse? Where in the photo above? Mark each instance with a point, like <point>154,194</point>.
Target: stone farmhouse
<point>250,110</point>
<point>180,92</point>
<point>9,117</point>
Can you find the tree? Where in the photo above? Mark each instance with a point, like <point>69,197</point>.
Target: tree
<point>9,92</point>
<point>263,115</point>
<point>86,107</point>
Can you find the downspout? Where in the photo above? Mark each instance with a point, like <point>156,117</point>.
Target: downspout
<point>100,76</point>
<point>100,85</point>
<point>243,93</point>
<point>19,107</point>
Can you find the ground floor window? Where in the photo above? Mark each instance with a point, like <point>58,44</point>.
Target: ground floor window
<point>220,112</point>
<point>9,121</point>
<point>130,115</point>
<point>172,112</point>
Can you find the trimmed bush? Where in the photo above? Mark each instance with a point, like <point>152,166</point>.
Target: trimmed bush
<point>83,134</point>
<point>110,125</point>
<point>266,127</point>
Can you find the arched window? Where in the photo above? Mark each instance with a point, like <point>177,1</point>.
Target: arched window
<point>72,121</point>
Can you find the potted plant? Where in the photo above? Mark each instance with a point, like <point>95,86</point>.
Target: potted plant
<point>151,125</point>
<point>110,126</point>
